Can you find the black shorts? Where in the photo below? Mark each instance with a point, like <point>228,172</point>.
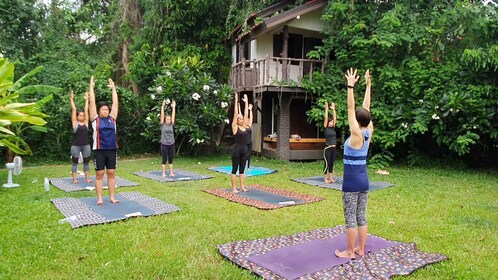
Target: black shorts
<point>105,159</point>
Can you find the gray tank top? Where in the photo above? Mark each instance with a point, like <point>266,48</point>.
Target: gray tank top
<point>167,134</point>
<point>330,136</point>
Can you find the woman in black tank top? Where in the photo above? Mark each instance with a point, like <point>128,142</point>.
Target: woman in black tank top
<point>330,144</point>
<point>81,145</point>
<point>239,153</point>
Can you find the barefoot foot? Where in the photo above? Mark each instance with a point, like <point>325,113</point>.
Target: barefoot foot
<point>75,181</point>
<point>100,202</point>
<point>115,201</point>
<point>171,175</point>
<point>235,191</point>
<point>344,254</point>
<point>359,252</point>
<point>244,189</point>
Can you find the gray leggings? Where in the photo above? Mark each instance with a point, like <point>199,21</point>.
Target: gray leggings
<point>355,207</point>
<point>75,154</point>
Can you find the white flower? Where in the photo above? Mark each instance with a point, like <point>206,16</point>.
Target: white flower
<point>148,118</point>
<point>405,125</point>
<point>168,74</point>
<point>474,127</point>
<point>196,96</point>
<point>437,107</point>
<point>153,96</point>
<point>159,89</point>
<point>451,110</point>
<point>199,141</point>
<point>227,120</point>
<point>158,115</point>
<point>420,101</point>
<point>168,101</point>
<point>205,87</point>
<point>215,92</point>
<point>224,104</point>
<point>435,117</point>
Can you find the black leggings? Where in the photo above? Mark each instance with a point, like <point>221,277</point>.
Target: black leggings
<point>239,157</point>
<point>329,157</point>
<point>167,151</point>
<point>249,152</point>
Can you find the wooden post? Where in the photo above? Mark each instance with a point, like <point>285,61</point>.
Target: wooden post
<point>267,69</point>
<point>300,73</point>
<point>285,50</point>
<point>243,66</point>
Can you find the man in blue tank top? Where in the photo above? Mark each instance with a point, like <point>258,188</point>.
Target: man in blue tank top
<point>355,184</point>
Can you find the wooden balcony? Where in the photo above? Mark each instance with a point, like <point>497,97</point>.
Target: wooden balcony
<point>248,75</point>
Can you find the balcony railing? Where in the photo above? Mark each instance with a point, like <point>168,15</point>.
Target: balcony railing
<point>273,71</point>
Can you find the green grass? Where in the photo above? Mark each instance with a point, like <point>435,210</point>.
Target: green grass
<point>453,212</point>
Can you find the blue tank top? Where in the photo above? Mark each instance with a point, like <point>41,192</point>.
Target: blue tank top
<point>355,165</point>
<point>104,133</point>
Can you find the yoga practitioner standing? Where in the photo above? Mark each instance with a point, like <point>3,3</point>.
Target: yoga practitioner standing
<point>330,144</point>
<point>239,152</point>
<point>105,143</point>
<point>355,184</point>
<point>167,138</point>
<point>81,145</point>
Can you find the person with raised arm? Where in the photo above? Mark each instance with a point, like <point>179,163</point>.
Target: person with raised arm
<point>239,152</point>
<point>167,138</point>
<point>105,142</point>
<point>330,144</point>
<point>355,185</point>
<point>81,144</point>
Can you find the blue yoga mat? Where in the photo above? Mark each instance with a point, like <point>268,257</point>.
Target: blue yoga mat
<point>253,171</point>
<point>268,197</point>
<point>317,181</point>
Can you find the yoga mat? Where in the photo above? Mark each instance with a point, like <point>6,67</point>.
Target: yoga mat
<point>265,198</point>
<point>253,171</point>
<point>337,185</point>
<point>310,255</point>
<point>85,211</point>
<point>180,175</point>
<point>66,184</point>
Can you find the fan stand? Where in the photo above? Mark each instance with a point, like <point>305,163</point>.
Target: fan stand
<point>9,184</point>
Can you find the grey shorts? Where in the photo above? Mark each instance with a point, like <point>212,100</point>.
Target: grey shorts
<point>84,150</point>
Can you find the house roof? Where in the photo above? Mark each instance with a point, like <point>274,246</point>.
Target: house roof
<point>271,22</point>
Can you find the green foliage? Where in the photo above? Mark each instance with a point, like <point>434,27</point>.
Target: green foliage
<point>202,104</point>
<point>434,72</point>
<point>17,115</point>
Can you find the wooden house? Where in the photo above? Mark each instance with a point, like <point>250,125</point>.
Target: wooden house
<point>269,63</point>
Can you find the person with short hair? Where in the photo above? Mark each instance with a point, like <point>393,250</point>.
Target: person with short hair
<point>330,144</point>
<point>167,138</point>
<point>81,144</point>
<point>355,184</point>
<point>105,142</point>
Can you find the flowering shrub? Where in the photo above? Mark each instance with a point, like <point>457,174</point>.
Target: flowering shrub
<point>201,104</point>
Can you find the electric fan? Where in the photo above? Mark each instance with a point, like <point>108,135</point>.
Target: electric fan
<point>15,168</point>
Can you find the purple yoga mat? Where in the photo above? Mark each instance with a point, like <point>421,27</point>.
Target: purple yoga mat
<point>293,261</point>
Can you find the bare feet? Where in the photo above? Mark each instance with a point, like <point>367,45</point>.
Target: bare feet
<point>100,202</point>
<point>327,181</point>
<point>244,189</point>
<point>164,175</point>
<point>88,181</point>
<point>235,191</point>
<point>331,180</point>
<point>75,181</point>
<point>115,201</point>
<point>171,175</point>
<point>359,252</point>
<point>344,254</point>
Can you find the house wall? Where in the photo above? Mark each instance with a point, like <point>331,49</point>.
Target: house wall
<point>234,54</point>
<point>309,21</point>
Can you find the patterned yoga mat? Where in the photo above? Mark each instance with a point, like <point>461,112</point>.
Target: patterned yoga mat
<point>317,181</point>
<point>265,198</point>
<point>180,175</point>
<point>310,255</point>
<point>253,171</point>
<point>66,184</point>
<point>85,211</point>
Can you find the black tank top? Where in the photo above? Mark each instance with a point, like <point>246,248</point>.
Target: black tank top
<point>249,135</point>
<point>81,136</point>
<point>240,137</point>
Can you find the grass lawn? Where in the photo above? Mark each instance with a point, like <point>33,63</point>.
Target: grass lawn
<point>453,212</point>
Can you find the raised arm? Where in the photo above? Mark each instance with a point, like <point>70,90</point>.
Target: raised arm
<point>246,109</point>
<point>356,137</point>
<point>92,105</point>
<point>173,111</point>
<point>326,116</point>
<point>334,115</point>
<point>115,103</point>
<point>86,108</point>
<point>235,112</point>
<point>249,123</point>
<point>366,99</point>
<point>161,121</point>
<point>74,120</point>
